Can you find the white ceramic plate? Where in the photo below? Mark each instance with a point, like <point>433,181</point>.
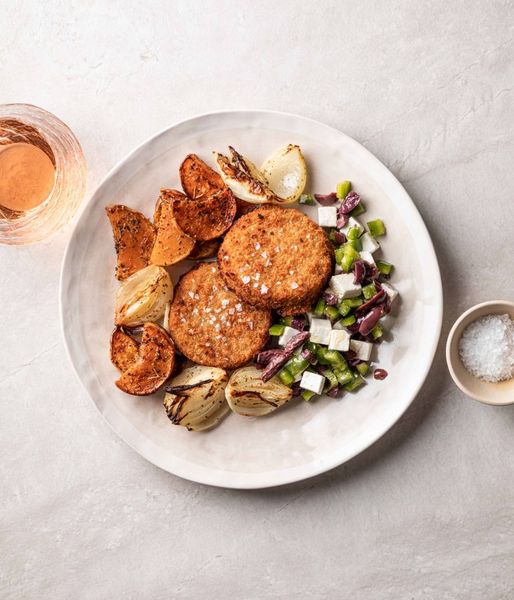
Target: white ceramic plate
<point>303,439</point>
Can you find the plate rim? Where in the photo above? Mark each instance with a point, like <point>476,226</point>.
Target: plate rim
<point>252,480</point>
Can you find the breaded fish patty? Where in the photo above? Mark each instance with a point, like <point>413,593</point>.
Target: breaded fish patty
<point>276,257</point>
<point>211,325</point>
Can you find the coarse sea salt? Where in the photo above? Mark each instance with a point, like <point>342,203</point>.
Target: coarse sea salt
<point>486,348</point>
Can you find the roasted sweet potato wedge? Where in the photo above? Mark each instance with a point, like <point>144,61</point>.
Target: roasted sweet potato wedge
<point>154,364</point>
<point>134,237</point>
<point>198,180</point>
<point>171,243</point>
<point>206,219</point>
<point>205,249</point>
<point>124,350</point>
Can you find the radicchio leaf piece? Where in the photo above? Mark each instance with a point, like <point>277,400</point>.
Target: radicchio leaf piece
<point>330,298</point>
<point>278,359</point>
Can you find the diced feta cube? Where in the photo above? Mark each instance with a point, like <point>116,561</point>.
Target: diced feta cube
<point>320,331</point>
<point>369,244</point>
<point>391,291</point>
<point>368,257</point>
<point>289,332</point>
<point>343,286</point>
<point>362,349</point>
<point>312,382</point>
<point>351,224</point>
<point>339,340</point>
<point>327,216</point>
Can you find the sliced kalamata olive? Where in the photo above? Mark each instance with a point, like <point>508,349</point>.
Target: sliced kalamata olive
<point>298,322</point>
<point>378,298</point>
<point>380,374</point>
<point>359,271</point>
<point>334,392</point>
<point>339,237</point>
<point>273,367</point>
<point>264,357</point>
<point>350,202</point>
<point>342,221</point>
<point>326,199</point>
<point>297,390</point>
<point>370,320</point>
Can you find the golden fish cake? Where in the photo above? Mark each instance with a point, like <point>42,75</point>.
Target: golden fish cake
<point>210,325</point>
<point>276,257</point>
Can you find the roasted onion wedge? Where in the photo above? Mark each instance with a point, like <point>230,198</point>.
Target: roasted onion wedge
<point>198,179</point>
<point>154,364</point>
<point>244,179</point>
<point>195,398</point>
<point>134,237</point>
<point>206,219</point>
<point>171,243</point>
<point>286,173</point>
<point>143,297</point>
<point>249,396</point>
<point>124,349</point>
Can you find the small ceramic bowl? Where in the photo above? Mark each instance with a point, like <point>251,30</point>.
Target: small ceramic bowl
<point>484,391</point>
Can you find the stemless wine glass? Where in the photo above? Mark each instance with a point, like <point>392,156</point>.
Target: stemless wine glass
<point>33,125</point>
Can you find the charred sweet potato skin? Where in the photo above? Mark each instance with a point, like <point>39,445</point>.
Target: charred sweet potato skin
<point>208,218</point>
<point>134,237</point>
<point>124,349</point>
<point>154,364</point>
<point>198,179</point>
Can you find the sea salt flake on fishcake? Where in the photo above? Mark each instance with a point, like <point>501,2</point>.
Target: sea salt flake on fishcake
<point>207,328</point>
<point>300,269</point>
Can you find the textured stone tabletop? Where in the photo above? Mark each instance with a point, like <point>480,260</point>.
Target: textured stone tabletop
<point>428,511</point>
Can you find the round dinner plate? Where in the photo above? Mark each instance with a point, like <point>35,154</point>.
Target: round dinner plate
<point>304,438</point>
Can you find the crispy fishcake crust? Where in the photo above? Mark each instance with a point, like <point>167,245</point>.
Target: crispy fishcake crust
<point>276,257</point>
<point>211,325</point>
<point>289,311</point>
